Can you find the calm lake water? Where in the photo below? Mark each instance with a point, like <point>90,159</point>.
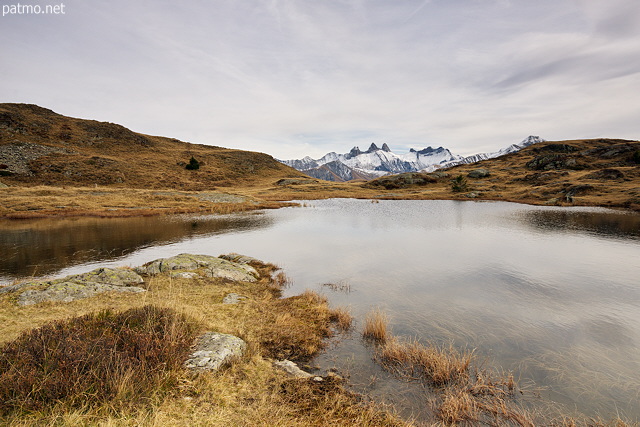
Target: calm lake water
<point>551,294</point>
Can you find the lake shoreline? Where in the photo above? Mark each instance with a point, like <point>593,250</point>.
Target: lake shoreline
<point>108,202</point>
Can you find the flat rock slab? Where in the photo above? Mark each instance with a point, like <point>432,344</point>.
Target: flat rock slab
<point>214,350</point>
<point>233,298</point>
<point>79,286</point>
<point>210,265</point>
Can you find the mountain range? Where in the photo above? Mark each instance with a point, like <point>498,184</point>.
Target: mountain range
<point>380,161</point>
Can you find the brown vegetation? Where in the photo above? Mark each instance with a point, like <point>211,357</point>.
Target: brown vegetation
<point>250,392</point>
<point>375,326</point>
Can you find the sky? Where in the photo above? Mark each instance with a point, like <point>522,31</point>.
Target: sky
<point>305,77</point>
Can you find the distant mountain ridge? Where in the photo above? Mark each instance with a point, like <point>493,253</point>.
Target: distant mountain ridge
<point>377,162</point>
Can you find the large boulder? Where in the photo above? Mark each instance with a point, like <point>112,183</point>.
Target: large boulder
<point>214,350</point>
<point>210,266</point>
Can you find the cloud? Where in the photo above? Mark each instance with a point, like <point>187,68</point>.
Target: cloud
<point>293,77</point>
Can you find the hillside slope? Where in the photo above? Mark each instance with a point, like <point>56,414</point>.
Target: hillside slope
<point>40,147</point>
<point>596,172</point>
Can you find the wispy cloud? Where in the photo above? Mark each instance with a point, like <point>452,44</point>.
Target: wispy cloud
<point>298,77</point>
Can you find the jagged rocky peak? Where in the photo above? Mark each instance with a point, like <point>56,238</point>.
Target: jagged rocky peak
<point>355,151</point>
<point>373,147</point>
<point>386,148</point>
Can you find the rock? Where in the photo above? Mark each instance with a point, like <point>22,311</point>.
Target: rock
<point>479,173</point>
<point>606,174</point>
<point>70,291</point>
<point>292,369</point>
<point>108,276</point>
<point>184,275</point>
<point>240,259</point>
<point>554,161</point>
<point>78,286</point>
<point>402,180</point>
<point>212,267</point>
<point>233,298</point>
<point>2,185</point>
<point>214,350</point>
<point>295,181</point>
<point>472,195</point>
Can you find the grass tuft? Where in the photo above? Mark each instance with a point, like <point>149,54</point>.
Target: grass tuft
<point>375,326</point>
<point>342,318</point>
<point>434,365</point>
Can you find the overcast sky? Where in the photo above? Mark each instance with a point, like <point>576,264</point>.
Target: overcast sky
<point>305,77</point>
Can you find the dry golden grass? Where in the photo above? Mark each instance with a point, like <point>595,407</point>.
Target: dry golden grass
<point>41,201</point>
<point>432,364</point>
<point>250,392</point>
<point>342,317</point>
<point>375,326</point>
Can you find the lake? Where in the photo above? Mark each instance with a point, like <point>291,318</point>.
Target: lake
<point>552,294</point>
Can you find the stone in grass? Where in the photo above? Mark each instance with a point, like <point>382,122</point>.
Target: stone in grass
<point>212,267</point>
<point>214,350</point>
<point>293,370</point>
<point>233,298</point>
<point>479,173</point>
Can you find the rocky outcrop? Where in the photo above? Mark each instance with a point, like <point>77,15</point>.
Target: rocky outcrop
<point>214,350</point>
<point>78,286</point>
<point>17,155</point>
<point>404,180</point>
<point>209,265</point>
<point>479,173</point>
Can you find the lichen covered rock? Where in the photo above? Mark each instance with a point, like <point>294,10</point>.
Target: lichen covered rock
<point>214,350</point>
<point>79,286</point>
<point>211,267</point>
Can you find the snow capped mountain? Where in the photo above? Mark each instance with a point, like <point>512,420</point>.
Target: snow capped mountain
<point>484,156</point>
<point>376,162</point>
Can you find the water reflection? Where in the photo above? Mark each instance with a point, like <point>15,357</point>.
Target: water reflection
<point>608,223</point>
<point>45,246</point>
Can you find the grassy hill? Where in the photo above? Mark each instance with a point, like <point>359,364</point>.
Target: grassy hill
<point>40,147</point>
<point>70,157</point>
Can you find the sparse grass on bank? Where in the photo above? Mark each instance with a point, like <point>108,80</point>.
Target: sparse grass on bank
<point>458,391</point>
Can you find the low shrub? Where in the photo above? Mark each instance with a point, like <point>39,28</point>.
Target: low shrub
<point>193,164</point>
<point>117,357</point>
<point>459,184</point>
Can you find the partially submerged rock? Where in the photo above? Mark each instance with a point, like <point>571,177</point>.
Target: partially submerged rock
<point>209,265</point>
<point>79,286</point>
<point>214,350</point>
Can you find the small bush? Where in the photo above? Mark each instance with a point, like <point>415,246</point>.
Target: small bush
<point>193,164</point>
<point>95,358</point>
<point>459,184</point>
<point>636,156</point>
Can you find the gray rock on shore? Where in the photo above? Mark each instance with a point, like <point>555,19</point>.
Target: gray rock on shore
<point>212,267</point>
<point>214,350</point>
<point>79,286</point>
